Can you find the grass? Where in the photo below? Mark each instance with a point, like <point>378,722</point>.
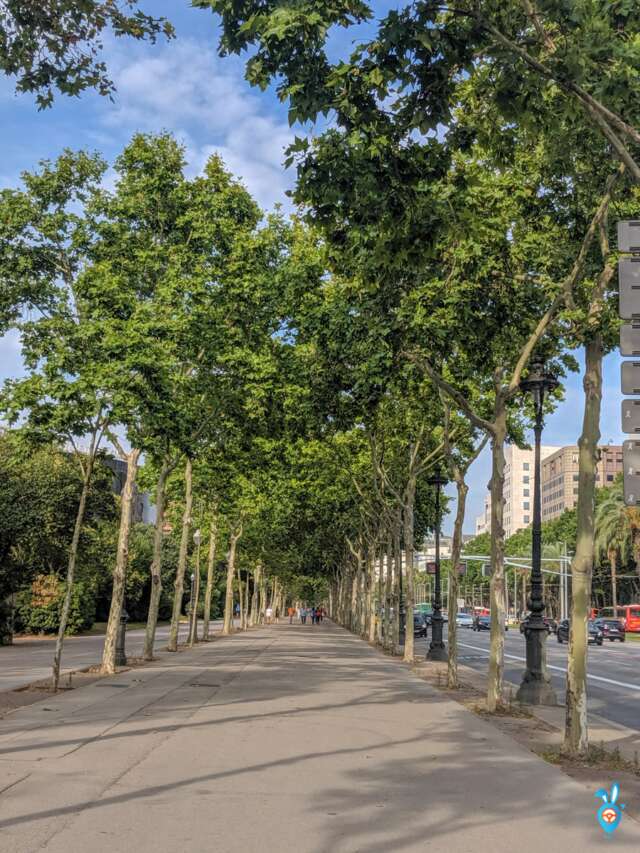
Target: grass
<point>101,627</point>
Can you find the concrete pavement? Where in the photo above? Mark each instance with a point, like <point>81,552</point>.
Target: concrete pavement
<point>294,738</point>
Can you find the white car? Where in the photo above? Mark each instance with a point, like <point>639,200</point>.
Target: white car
<point>464,620</point>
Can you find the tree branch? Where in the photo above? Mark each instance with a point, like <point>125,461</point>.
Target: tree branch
<point>452,392</point>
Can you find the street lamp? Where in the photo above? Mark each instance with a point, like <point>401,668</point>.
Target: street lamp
<point>195,591</point>
<point>536,687</point>
<point>191,607</point>
<point>437,649</point>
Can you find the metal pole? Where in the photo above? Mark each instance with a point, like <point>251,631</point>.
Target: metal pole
<point>535,688</point>
<point>437,650</point>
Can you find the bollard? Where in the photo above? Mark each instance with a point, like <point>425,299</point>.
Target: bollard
<point>121,657</point>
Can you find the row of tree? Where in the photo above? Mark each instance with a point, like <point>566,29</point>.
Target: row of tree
<point>306,376</point>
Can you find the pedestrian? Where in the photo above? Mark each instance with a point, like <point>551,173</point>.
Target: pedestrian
<point>269,615</point>
<point>314,615</point>
<point>291,613</point>
<point>303,615</point>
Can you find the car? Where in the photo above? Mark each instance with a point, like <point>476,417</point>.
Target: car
<point>464,620</point>
<point>550,624</point>
<point>595,635</point>
<point>483,623</point>
<point>612,629</point>
<point>419,625</point>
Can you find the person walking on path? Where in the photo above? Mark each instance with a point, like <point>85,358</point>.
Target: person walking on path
<point>303,615</point>
<point>291,613</point>
<point>269,615</point>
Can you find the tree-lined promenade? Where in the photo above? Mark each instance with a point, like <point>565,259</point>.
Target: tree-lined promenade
<point>287,386</point>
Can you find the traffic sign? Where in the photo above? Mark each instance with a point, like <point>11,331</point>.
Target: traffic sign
<point>630,377</point>
<point>629,278</point>
<point>631,416</point>
<point>630,338</point>
<point>629,235</point>
<point>631,471</point>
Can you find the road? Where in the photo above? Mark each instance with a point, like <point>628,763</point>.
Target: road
<point>614,670</point>
<point>299,738</point>
<point>29,660</point>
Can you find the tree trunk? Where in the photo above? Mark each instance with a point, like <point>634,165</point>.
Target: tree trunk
<point>388,583</point>
<point>380,607</point>
<point>122,558</point>
<point>255,597</point>
<point>456,550</point>
<point>231,568</point>
<point>409,589</point>
<point>371,571</point>
<point>613,556</point>
<point>240,597</point>
<point>496,658</point>
<point>397,583</point>
<point>211,567</point>
<point>156,561</point>
<point>71,565</point>
<point>245,616</point>
<point>576,734</point>
<point>172,645</point>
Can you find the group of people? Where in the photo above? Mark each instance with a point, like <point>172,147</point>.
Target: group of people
<point>316,614</point>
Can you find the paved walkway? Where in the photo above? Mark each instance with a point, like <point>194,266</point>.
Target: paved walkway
<point>297,739</point>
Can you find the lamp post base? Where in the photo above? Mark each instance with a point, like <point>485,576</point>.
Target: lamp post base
<point>536,692</point>
<point>536,688</point>
<point>437,652</point>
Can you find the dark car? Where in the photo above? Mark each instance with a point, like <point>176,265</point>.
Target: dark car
<point>594,635</point>
<point>550,624</point>
<point>612,629</point>
<point>419,625</point>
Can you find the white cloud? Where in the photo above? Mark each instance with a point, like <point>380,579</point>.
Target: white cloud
<point>185,88</point>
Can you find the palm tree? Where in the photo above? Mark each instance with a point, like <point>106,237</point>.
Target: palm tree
<point>617,533</point>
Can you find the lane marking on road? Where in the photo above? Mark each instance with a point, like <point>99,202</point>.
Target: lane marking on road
<point>635,687</point>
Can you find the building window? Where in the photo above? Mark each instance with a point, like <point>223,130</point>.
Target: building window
<point>526,519</point>
<point>610,478</point>
<point>525,466</point>
<point>525,492</point>
<point>575,491</point>
<point>576,477</point>
<point>525,505</point>
<point>525,479</point>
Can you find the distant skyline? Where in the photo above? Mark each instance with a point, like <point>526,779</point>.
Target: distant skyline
<point>184,87</point>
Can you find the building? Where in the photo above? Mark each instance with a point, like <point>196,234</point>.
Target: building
<point>559,478</point>
<point>518,490</point>
<point>142,509</point>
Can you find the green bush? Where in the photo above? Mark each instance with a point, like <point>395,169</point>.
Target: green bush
<point>38,607</point>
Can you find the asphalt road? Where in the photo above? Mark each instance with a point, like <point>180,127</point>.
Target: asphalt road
<point>614,670</point>
<point>30,660</point>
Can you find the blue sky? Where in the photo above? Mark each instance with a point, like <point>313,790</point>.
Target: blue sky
<point>183,87</point>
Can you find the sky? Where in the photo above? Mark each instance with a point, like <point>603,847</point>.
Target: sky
<point>184,87</point>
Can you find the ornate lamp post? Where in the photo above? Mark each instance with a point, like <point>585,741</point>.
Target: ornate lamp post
<point>437,648</point>
<point>536,688</point>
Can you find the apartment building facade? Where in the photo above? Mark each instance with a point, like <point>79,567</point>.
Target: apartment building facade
<point>559,478</point>
<point>518,490</point>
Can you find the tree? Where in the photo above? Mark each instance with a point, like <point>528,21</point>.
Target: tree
<point>44,245</point>
<point>54,45</point>
<point>616,525</point>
